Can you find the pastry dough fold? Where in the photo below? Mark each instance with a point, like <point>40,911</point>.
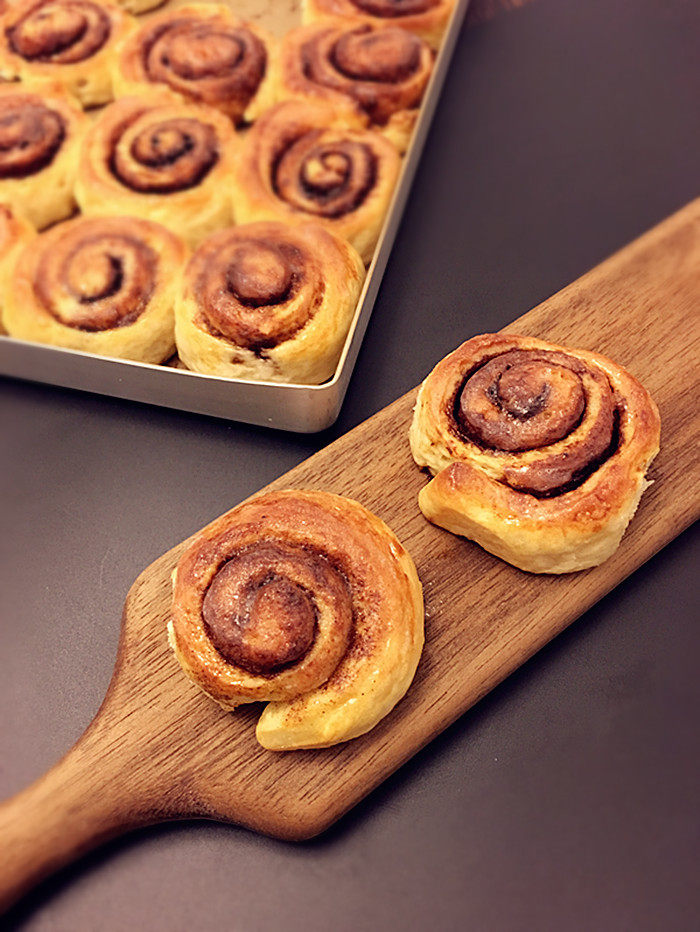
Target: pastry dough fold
<point>539,452</point>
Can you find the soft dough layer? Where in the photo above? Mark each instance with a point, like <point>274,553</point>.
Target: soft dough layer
<point>539,452</point>
<point>156,158</point>
<point>203,54</point>
<point>72,42</point>
<point>304,161</point>
<point>101,285</point>
<point>41,132</point>
<point>426,18</point>
<point>15,233</point>
<point>268,301</point>
<point>305,599</point>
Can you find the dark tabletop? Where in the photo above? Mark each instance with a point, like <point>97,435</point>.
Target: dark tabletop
<point>567,798</point>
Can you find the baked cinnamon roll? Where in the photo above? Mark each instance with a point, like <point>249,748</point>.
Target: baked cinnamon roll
<point>40,139</point>
<point>101,285</point>
<point>71,42</point>
<point>268,301</point>
<point>426,18</point>
<point>203,54</point>
<point>162,160</point>
<point>304,600</point>
<point>15,233</point>
<point>378,72</point>
<point>539,452</point>
<point>302,161</point>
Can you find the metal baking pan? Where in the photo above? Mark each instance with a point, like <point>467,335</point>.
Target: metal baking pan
<point>301,408</point>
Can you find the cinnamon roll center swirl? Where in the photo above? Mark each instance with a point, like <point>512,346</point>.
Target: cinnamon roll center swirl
<point>260,611</point>
<point>62,32</point>
<point>324,174</point>
<point>385,56</point>
<point>557,412</point>
<point>259,275</point>
<point>394,8</point>
<point>256,293</point>
<point>96,280</point>
<point>165,156</point>
<point>31,133</point>
<point>208,61</point>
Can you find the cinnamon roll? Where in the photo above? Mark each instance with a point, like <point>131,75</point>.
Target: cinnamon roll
<point>426,18</point>
<point>379,72</point>
<point>203,54</point>
<point>304,600</point>
<point>302,161</point>
<point>268,301</point>
<point>40,138</point>
<point>162,160</point>
<point>15,233</point>
<point>69,41</point>
<point>539,451</point>
<point>101,285</point>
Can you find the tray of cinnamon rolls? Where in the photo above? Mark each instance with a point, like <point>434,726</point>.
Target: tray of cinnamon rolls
<point>198,199</point>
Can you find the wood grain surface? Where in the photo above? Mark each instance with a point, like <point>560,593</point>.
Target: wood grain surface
<point>158,749</point>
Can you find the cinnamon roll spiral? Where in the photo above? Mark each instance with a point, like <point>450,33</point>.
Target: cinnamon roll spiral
<point>425,18</point>
<point>302,161</point>
<point>379,72</point>
<point>203,54</point>
<point>539,452</point>
<point>71,42</point>
<point>268,301</point>
<point>159,159</point>
<point>304,600</point>
<point>40,138</point>
<point>101,285</point>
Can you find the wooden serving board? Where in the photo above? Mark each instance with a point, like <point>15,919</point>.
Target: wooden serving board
<point>159,749</point>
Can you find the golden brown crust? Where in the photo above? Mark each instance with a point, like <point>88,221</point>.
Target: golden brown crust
<point>101,285</point>
<point>303,161</point>
<point>15,233</point>
<point>309,576</point>
<point>268,301</point>
<point>140,6</point>
<point>378,72</point>
<point>539,451</point>
<point>426,18</point>
<point>71,42</point>
<point>204,55</point>
<point>159,159</point>
<point>40,137</point>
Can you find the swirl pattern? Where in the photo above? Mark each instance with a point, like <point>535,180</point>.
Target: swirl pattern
<point>98,284</point>
<point>31,133</point>
<point>539,452</point>
<point>201,53</point>
<point>99,275</point>
<point>282,297</point>
<point>425,18</point>
<point>40,138</point>
<point>381,71</point>
<point>159,156</point>
<point>275,601</point>
<point>68,41</point>
<point>302,161</point>
<point>159,159</point>
<point>59,31</point>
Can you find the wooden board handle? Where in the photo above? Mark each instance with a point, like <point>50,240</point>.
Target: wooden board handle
<point>86,798</point>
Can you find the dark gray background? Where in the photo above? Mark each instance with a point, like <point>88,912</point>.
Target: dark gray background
<point>565,800</point>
